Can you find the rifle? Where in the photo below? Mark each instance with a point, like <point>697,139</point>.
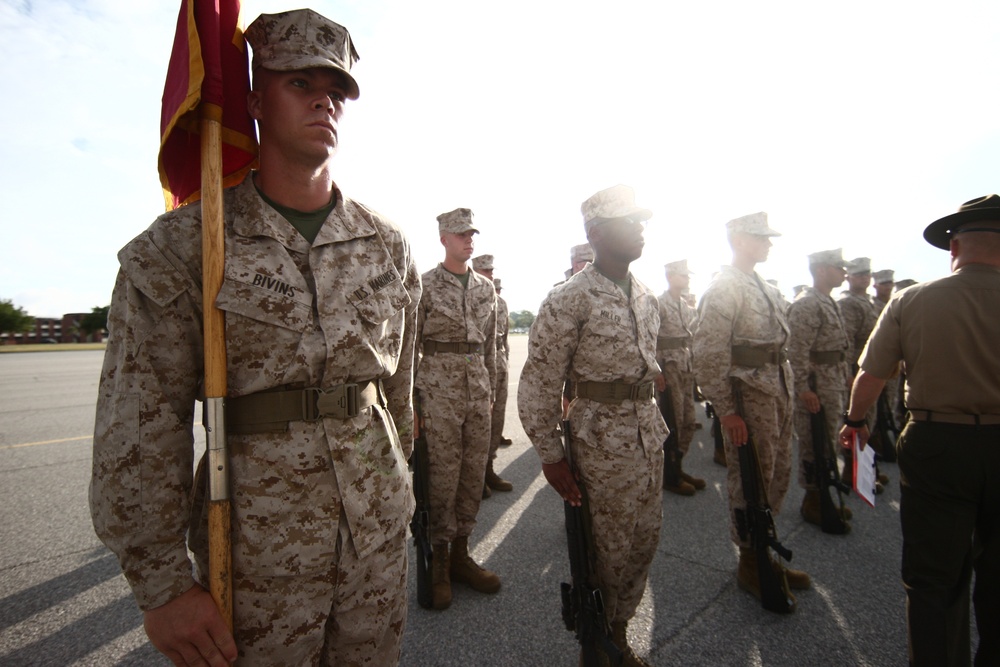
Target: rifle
<point>582,603</point>
<point>758,522</point>
<point>671,446</point>
<point>885,429</point>
<point>825,473</point>
<point>420,523</point>
<point>717,437</point>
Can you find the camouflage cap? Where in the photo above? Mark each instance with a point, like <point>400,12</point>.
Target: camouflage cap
<point>568,273</point>
<point>300,39</point>
<point>496,284</point>
<point>828,258</point>
<point>883,276</point>
<point>754,224</point>
<point>615,202</point>
<point>798,288</point>
<point>458,221</point>
<point>482,263</point>
<point>679,268</point>
<point>859,265</point>
<point>581,253</point>
<point>905,282</point>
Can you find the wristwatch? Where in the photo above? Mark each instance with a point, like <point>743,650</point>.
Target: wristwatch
<point>853,423</point>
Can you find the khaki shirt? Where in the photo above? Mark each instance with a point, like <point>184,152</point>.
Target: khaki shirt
<point>339,310</point>
<point>945,332</point>
<point>677,320</point>
<point>588,330</point>
<point>451,313</point>
<point>859,313</point>
<point>739,309</point>
<point>816,326</point>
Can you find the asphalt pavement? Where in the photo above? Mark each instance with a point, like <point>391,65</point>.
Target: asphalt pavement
<point>63,600</point>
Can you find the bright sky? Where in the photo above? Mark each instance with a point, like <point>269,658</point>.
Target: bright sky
<point>852,124</point>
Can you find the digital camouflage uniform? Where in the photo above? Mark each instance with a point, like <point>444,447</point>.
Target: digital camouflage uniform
<point>455,391</point>
<point>320,508</point>
<point>817,337</point>
<point>859,314</point>
<point>673,354</point>
<point>741,309</point>
<point>588,330</point>
<point>503,361</point>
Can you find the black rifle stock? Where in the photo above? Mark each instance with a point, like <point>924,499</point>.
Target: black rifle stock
<point>671,446</point>
<point>420,524</point>
<point>885,429</point>
<point>582,604</point>
<point>826,474</point>
<point>717,437</point>
<point>759,524</point>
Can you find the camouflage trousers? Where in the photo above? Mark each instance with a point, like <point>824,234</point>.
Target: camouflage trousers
<point>624,487</point>
<point>833,402</point>
<point>769,419</point>
<point>458,445</point>
<point>351,614</point>
<point>679,384</point>
<point>499,409</point>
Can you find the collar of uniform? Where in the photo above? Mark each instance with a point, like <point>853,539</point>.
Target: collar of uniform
<point>255,217</point>
<point>605,284</point>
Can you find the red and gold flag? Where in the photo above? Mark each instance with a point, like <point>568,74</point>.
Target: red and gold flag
<point>208,75</point>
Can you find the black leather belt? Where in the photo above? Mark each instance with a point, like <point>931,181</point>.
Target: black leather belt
<point>435,346</point>
<point>614,392</point>
<point>918,415</point>
<point>272,410</point>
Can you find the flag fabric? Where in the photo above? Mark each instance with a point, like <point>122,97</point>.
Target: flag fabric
<point>208,75</point>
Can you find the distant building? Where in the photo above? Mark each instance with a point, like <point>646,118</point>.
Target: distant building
<point>52,330</point>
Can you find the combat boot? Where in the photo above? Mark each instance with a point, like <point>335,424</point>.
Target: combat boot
<point>797,579</point>
<point>697,482</point>
<point>682,488</point>
<point>494,482</point>
<point>465,570</point>
<point>619,635</point>
<point>748,579</point>
<point>811,511</point>
<point>441,581</point>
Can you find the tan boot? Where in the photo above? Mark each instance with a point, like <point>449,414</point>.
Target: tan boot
<point>465,570</point>
<point>441,581</point>
<point>619,635</point>
<point>797,579</point>
<point>748,579</point>
<point>812,512</point>
<point>682,488</point>
<point>494,482</point>
<point>697,482</point>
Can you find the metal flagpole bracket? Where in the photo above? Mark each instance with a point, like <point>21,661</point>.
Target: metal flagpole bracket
<point>218,459</point>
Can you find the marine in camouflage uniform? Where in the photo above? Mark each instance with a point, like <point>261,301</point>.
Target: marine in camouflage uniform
<point>673,354</point>
<point>455,381</point>
<point>893,387</point>
<point>740,345</point>
<point>321,505</point>
<point>599,330</point>
<point>818,352</point>
<point>483,265</point>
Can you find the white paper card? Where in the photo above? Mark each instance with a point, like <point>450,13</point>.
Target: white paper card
<point>864,471</point>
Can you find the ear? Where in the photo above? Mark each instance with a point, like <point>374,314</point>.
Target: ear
<point>254,104</point>
<point>953,247</point>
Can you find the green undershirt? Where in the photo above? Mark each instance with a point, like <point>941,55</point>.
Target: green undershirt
<point>462,278</point>
<point>307,223</point>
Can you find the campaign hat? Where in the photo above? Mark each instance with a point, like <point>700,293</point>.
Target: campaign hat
<point>939,232</point>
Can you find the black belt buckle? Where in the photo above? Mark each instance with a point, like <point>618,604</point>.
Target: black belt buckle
<point>340,402</point>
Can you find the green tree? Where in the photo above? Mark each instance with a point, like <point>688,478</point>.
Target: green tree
<point>521,319</point>
<point>13,319</point>
<point>96,321</point>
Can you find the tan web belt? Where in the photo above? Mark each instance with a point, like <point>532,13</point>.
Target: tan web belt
<point>435,346</point>
<point>755,356</point>
<point>272,410</point>
<point>614,392</point>
<point>826,357</point>
<point>918,415</point>
<point>672,343</point>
